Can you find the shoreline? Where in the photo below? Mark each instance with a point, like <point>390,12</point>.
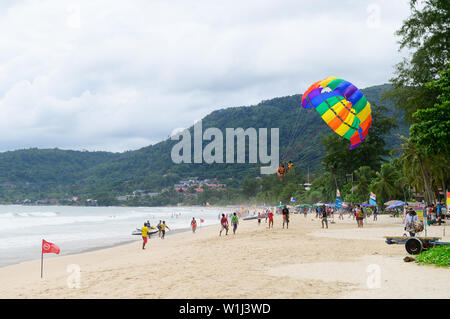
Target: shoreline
<point>304,261</point>
<point>105,246</point>
<point>122,206</point>
<point>112,240</point>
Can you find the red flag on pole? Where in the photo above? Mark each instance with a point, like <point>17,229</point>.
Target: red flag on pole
<point>49,248</point>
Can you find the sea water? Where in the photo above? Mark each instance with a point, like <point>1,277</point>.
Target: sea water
<point>79,229</point>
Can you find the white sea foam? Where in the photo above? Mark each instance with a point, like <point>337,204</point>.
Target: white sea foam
<point>76,229</point>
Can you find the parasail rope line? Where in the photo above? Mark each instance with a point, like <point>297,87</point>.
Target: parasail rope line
<point>293,132</point>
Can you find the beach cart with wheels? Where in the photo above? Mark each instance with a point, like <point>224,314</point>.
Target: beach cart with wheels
<point>415,245</point>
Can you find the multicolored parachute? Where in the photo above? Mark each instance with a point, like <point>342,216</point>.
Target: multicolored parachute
<point>345,109</point>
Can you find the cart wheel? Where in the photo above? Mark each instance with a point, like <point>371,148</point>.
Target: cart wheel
<point>414,246</point>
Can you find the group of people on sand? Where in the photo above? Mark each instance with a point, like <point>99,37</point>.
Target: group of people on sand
<point>434,213</point>
<point>268,215</point>
<point>358,212</point>
<point>323,212</point>
<point>411,223</point>
<point>224,225</point>
<point>146,231</point>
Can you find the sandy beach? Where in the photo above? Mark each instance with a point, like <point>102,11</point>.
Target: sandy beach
<point>304,261</point>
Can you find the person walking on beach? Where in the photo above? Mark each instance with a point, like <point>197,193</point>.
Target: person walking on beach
<point>359,216</point>
<point>163,229</point>
<point>144,230</point>
<point>267,214</point>
<point>159,228</point>
<point>224,225</point>
<point>324,218</point>
<point>234,223</point>
<point>193,224</point>
<point>375,213</point>
<point>322,210</point>
<point>285,213</point>
<point>270,215</point>
<point>439,213</point>
<point>259,219</point>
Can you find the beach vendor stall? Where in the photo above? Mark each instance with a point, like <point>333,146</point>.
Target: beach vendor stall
<point>415,224</point>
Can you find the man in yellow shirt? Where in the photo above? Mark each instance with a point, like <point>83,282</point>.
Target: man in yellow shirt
<point>144,230</point>
<point>163,229</point>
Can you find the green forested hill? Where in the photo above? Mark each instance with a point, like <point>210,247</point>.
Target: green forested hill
<point>49,165</point>
<point>56,172</point>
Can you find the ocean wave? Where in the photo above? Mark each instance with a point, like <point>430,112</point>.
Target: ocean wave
<point>36,219</point>
<point>28,214</point>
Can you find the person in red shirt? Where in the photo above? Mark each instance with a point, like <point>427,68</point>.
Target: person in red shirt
<point>270,215</point>
<point>224,225</point>
<point>193,224</point>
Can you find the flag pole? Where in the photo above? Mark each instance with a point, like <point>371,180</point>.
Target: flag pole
<point>42,258</point>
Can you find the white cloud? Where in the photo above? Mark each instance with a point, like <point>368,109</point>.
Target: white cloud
<point>119,75</point>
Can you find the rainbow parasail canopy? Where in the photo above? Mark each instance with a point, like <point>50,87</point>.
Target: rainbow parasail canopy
<point>345,109</point>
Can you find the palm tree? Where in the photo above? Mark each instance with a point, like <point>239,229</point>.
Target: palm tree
<point>416,168</point>
<point>388,183</point>
<point>363,177</point>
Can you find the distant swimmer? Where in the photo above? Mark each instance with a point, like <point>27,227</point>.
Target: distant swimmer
<point>234,222</point>
<point>224,225</point>
<point>163,229</point>
<point>193,224</point>
<point>144,230</point>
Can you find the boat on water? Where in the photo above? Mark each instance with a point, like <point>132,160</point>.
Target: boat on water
<point>151,231</point>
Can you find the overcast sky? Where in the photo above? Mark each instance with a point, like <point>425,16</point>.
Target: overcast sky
<point>120,75</point>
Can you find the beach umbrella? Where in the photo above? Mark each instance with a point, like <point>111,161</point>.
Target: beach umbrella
<point>392,202</point>
<point>415,204</point>
<point>396,204</point>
